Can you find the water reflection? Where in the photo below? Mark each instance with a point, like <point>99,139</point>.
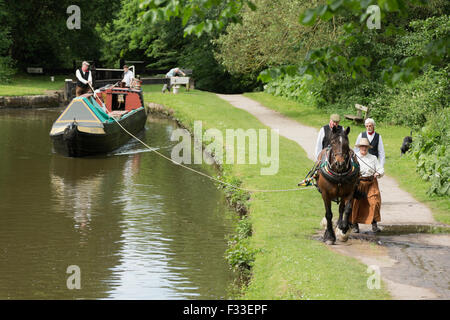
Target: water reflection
<point>136,225</point>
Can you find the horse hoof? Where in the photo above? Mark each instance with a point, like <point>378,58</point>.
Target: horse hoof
<point>329,242</point>
<point>341,236</point>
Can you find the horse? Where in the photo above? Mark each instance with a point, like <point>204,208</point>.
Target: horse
<point>337,180</point>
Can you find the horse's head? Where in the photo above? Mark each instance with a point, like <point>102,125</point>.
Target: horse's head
<point>340,150</point>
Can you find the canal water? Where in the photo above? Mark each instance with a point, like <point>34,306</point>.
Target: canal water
<point>136,225</point>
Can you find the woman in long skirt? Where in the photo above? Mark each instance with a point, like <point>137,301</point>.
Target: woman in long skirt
<point>367,210</point>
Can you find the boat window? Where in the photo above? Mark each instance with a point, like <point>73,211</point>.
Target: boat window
<point>118,101</point>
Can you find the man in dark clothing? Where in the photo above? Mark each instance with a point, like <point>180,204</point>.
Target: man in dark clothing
<point>323,140</point>
<point>376,142</point>
<point>84,79</point>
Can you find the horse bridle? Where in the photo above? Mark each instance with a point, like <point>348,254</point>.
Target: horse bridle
<point>347,157</point>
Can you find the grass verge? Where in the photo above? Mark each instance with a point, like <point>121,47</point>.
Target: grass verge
<point>24,85</point>
<point>286,263</point>
<point>402,168</point>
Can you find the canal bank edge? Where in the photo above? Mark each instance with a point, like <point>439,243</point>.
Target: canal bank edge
<point>239,255</point>
<point>237,199</point>
<point>264,286</point>
<point>52,99</point>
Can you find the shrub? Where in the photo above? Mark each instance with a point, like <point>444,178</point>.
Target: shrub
<point>411,104</point>
<point>296,88</point>
<point>431,150</point>
<point>236,197</point>
<point>240,255</point>
<point>6,69</point>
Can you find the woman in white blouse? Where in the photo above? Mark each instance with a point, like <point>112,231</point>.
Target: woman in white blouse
<point>367,210</point>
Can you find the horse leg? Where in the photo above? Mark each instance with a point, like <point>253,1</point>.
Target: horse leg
<point>347,213</point>
<point>341,212</point>
<point>329,237</point>
<point>345,208</point>
<point>344,226</point>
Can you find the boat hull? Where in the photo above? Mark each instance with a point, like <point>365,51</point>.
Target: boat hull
<point>75,143</point>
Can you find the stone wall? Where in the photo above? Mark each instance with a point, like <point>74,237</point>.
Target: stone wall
<point>52,99</point>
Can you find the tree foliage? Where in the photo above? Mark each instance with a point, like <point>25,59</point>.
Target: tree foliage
<point>195,13</point>
<point>270,35</point>
<point>432,152</point>
<point>164,45</point>
<point>40,35</point>
<point>322,62</point>
<point>6,62</point>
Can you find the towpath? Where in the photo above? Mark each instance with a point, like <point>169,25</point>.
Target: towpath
<point>413,265</point>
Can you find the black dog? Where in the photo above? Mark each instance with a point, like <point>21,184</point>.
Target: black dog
<point>406,145</point>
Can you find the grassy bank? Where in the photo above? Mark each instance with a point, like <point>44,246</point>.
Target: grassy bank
<point>403,169</point>
<point>24,85</point>
<point>290,264</point>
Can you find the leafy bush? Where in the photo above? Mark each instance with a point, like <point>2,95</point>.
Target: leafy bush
<point>296,88</point>
<point>432,152</point>
<point>6,69</point>
<point>237,198</point>
<point>240,255</point>
<point>411,104</point>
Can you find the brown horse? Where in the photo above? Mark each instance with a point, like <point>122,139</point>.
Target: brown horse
<point>337,180</point>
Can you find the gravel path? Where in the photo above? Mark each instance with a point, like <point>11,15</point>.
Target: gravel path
<point>398,208</point>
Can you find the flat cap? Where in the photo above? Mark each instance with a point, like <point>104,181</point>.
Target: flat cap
<point>335,117</point>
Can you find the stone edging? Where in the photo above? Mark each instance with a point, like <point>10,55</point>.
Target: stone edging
<point>53,99</point>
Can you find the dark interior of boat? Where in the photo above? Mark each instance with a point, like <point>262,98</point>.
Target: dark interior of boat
<point>118,101</point>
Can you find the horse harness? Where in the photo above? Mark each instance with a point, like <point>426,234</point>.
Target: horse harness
<point>339,178</point>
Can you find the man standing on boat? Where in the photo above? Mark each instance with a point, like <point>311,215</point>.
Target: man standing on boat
<point>127,76</point>
<point>172,73</point>
<point>84,79</point>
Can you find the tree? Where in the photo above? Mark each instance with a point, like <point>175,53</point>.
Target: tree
<point>40,35</point>
<point>320,61</point>
<point>195,14</point>
<point>270,35</point>
<point>6,62</point>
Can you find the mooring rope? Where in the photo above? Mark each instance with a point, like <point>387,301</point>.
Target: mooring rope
<point>199,172</point>
<point>202,173</point>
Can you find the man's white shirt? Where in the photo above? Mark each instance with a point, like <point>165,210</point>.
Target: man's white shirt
<point>127,78</point>
<point>381,153</point>
<point>319,142</point>
<point>82,80</point>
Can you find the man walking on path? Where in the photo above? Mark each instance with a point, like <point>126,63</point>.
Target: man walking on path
<point>323,140</point>
<point>84,79</point>
<point>376,143</point>
<point>405,212</point>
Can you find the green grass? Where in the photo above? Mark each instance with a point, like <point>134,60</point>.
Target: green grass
<point>290,265</point>
<point>22,85</point>
<point>403,169</point>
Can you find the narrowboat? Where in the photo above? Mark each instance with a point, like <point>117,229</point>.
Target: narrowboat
<point>89,125</point>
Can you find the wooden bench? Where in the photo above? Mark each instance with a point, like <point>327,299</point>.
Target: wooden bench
<point>37,70</point>
<point>176,81</point>
<point>359,117</point>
